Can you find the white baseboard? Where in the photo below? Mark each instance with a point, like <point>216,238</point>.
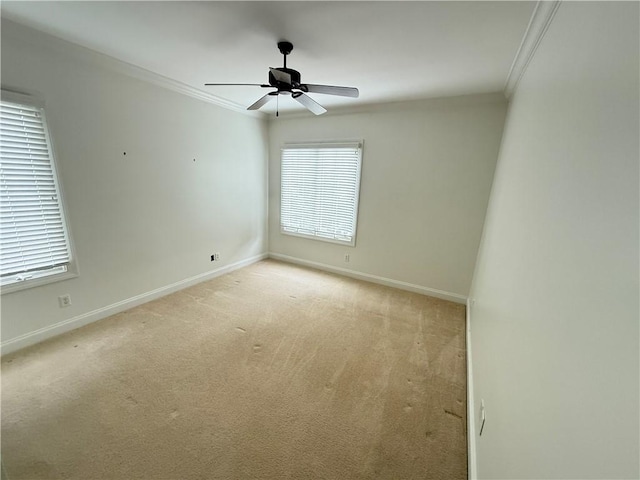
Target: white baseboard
<point>80,320</point>
<point>432,292</point>
<point>472,467</point>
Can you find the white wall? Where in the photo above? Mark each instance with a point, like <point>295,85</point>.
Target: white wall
<point>148,219</point>
<point>555,324</point>
<point>426,176</point>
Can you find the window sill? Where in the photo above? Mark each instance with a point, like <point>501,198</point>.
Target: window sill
<point>345,243</point>
<point>37,282</point>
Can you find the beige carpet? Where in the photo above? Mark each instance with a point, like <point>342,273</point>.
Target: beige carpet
<point>270,372</point>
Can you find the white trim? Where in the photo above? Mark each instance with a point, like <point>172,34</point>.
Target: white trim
<point>72,272</point>
<point>344,243</point>
<point>410,287</point>
<point>322,144</point>
<point>472,466</point>
<point>100,313</point>
<point>57,44</point>
<point>538,24</point>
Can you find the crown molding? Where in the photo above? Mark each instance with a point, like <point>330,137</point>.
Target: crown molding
<point>538,24</point>
<point>40,39</point>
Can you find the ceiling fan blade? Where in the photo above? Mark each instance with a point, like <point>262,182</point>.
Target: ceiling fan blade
<point>263,85</point>
<point>262,101</point>
<point>309,103</point>
<point>330,90</point>
<point>283,77</point>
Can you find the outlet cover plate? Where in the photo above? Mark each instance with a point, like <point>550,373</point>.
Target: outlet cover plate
<point>64,300</point>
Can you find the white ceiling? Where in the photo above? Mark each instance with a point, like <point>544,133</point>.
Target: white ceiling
<point>391,51</point>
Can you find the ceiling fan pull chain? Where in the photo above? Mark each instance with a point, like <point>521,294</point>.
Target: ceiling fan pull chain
<point>278,102</point>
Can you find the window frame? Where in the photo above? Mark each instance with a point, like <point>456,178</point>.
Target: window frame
<point>43,278</point>
<point>359,144</point>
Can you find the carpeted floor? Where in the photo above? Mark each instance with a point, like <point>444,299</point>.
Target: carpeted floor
<point>270,372</point>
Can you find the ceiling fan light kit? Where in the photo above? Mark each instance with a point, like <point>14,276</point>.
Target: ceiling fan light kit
<point>287,81</point>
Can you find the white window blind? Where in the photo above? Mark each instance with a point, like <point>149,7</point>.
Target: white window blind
<point>319,191</point>
<point>33,236</point>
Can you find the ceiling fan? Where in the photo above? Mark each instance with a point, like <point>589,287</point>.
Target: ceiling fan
<point>286,81</point>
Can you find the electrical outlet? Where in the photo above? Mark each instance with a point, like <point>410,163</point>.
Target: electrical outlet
<point>216,256</point>
<point>64,300</point>
<point>347,258</point>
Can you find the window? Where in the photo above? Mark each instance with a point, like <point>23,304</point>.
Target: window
<point>34,244</point>
<point>319,191</point>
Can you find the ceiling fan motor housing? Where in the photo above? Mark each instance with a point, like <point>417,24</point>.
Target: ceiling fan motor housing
<point>284,86</point>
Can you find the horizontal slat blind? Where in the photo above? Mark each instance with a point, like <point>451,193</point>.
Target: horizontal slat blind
<point>319,191</point>
<point>33,236</point>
